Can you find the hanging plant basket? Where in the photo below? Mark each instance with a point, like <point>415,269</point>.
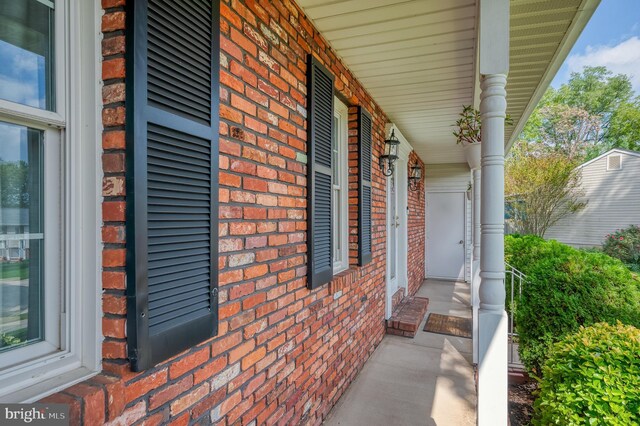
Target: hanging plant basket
<point>469,134</point>
<point>472,153</point>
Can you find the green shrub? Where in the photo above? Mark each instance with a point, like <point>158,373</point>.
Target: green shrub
<point>566,288</point>
<point>592,377</point>
<point>524,251</point>
<point>624,244</point>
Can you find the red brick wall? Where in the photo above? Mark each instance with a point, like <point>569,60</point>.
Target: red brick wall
<point>416,232</point>
<point>284,354</point>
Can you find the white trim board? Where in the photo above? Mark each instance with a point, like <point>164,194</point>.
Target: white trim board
<point>606,154</point>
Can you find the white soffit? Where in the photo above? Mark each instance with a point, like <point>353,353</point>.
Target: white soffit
<point>417,58</point>
<point>542,35</point>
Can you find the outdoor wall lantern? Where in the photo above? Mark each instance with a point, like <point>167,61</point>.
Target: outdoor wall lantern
<point>415,178</point>
<point>390,154</point>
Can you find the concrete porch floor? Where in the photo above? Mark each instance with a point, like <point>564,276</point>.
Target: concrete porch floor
<point>427,380</point>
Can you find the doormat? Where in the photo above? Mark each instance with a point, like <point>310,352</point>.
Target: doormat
<point>449,325</point>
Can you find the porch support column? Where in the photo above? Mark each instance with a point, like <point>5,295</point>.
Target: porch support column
<point>475,265</point>
<point>492,336</point>
<point>476,214</point>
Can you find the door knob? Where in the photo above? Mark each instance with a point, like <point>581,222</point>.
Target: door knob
<point>461,242</point>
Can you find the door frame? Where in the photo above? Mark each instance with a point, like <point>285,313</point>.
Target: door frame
<point>401,177</point>
<point>465,230</point>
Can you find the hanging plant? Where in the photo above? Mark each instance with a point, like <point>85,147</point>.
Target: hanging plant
<point>469,125</point>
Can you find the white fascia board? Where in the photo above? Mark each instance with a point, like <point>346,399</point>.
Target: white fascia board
<point>611,151</point>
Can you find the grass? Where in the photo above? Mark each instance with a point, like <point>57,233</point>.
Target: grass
<point>18,270</point>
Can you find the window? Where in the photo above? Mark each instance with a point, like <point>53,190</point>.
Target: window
<point>340,204</point>
<point>23,203</point>
<point>26,78</point>
<point>39,217</point>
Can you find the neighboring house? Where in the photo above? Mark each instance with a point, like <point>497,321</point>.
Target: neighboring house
<point>14,234</point>
<point>219,242</point>
<point>611,188</point>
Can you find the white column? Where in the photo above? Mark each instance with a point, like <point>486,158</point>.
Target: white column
<point>475,265</point>
<point>492,339</point>
<point>476,214</point>
<point>493,57</point>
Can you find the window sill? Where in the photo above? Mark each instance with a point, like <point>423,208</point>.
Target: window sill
<point>47,381</point>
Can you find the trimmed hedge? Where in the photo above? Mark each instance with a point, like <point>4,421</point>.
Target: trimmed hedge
<point>566,288</point>
<point>592,377</point>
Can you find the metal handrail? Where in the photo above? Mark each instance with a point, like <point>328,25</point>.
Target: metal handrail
<point>513,278</point>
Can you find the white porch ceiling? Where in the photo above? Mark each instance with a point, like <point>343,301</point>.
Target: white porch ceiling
<point>417,58</point>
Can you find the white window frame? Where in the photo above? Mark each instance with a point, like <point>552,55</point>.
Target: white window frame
<point>340,192</point>
<point>73,176</point>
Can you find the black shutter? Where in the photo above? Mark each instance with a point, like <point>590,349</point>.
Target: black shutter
<point>172,177</point>
<point>365,133</point>
<point>320,122</point>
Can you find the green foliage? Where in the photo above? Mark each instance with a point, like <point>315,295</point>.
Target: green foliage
<point>12,338</point>
<point>595,93</point>
<point>9,340</point>
<point>541,189</point>
<point>469,125</point>
<point>624,127</point>
<point>566,288</point>
<point>14,184</point>
<point>523,252</point>
<point>624,244</point>
<point>592,377</point>
<point>596,90</point>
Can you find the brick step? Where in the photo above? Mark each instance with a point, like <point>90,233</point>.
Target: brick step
<point>406,318</point>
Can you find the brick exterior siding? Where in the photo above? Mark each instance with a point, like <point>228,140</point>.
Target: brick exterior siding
<point>284,354</point>
<point>416,231</point>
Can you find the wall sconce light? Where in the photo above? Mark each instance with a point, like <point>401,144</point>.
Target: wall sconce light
<point>390,154</point>
<point>415,178</point>
<point>469,189</point>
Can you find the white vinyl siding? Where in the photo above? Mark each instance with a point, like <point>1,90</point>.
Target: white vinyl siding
<point>613,202</point>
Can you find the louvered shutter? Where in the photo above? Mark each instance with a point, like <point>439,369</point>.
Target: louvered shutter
<point>172,177</point>
<point>320,127</point>
<point>364,183</point>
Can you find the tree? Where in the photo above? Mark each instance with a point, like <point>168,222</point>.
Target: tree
<point>14,184</point>
<point>599,93</point>
<point>624,126</point>
<point>595,90</point>
<point>566,130</point>
<point>541,189</point>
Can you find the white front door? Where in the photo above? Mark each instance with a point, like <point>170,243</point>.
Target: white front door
<point>392,240</point>
<point>445,235</point>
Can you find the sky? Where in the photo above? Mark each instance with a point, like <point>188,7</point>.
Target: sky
<point>611,39</point>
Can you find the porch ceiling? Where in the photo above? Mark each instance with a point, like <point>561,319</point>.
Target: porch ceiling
<point>417,58</point>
